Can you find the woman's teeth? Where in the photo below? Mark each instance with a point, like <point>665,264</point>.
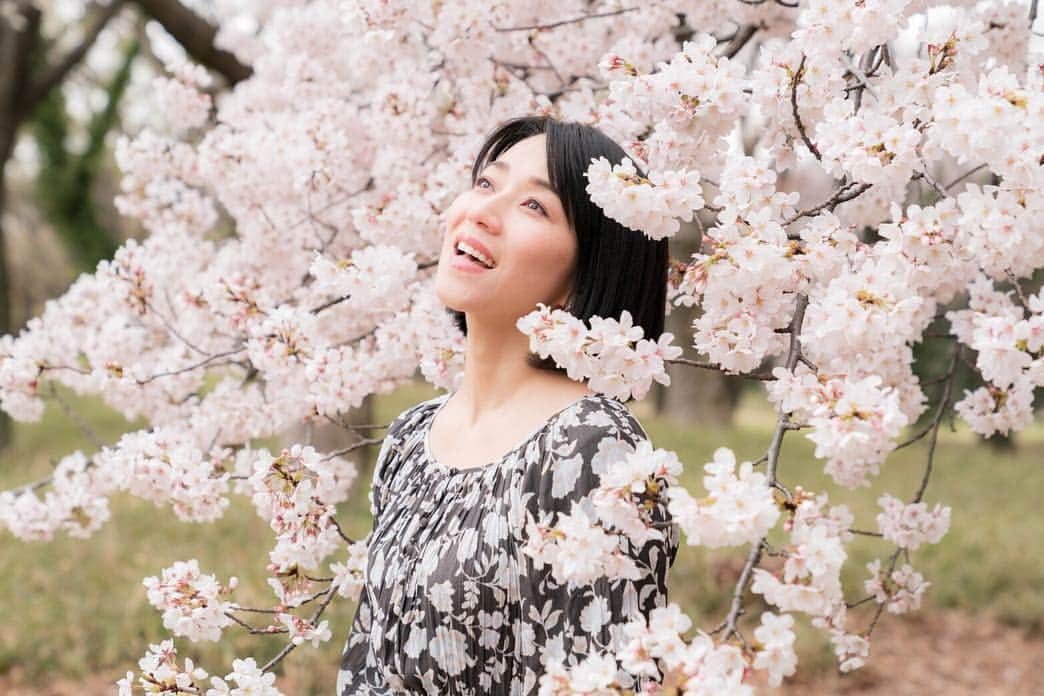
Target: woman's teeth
<point>465,248</point>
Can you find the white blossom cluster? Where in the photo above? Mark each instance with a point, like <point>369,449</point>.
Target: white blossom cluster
<point>642,472</point>
<point>652,206</point>
<point>776,654</point>
<point>578,550</point>
<point>160,674</point>
<point>909,526</point>
<point>18,385</point>
<point>77,503</point>
<point>249,681</point>
<point>738,508</point>
<point>350,576</point>
<point>854,423</point>
<point>296,492</point>
<point>743,276</point>
<point>181,102</point>
<point>900,591</point>
<point>166,467</point>
<point>1010,349</point>
<point>371,279</point>
<point>611,355</point>
<point>304,631</point>
<point>192,603</point>
<point>700,666</point>
<point>810,581</point>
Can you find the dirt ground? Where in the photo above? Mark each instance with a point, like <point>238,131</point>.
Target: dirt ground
<point>947,653</point>
<point>922,655</point>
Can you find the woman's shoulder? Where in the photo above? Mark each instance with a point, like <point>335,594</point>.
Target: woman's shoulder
<point>596,416</point>
<point>412,416</point>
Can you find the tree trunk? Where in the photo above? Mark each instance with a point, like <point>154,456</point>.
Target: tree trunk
<point>16,47</point>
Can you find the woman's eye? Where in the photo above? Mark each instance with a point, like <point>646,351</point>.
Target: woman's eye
<point>539,208</point>
<point>481,180</point>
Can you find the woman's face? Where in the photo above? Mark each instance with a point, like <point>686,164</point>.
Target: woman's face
<point>514,218</point>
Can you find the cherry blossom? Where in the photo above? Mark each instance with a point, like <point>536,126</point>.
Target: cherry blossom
<point>865,177</point>
<point>909,526</point>
<point>192,603</point>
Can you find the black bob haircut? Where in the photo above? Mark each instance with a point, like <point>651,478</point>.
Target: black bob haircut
<point>617,268</point>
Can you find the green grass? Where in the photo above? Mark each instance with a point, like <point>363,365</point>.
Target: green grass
<point>77,607</point>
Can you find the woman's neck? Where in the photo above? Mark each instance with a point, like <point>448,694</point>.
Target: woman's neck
<point>496,372</point>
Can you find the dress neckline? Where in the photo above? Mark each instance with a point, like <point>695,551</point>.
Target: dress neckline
<point>481,467</point>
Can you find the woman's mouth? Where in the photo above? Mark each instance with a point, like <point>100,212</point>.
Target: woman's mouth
<point>465,262</point>
<point>470,255</point>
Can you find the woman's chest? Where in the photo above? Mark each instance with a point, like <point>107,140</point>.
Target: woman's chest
<point>447,529</point>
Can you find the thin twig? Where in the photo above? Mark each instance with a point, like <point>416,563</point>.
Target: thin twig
<point>937,419</point>
<point>75,417</point>
<point>170,328</point>
<point>552,25</point>
<point>923,174</point>
<point>340,531</point>
<point>1013,279</point>
<point>351,448</point>
<point>880,607</point>
<point>718,368</point>
<point>861,77</point>
<point>189,368</point>
<point>331,303</point>
<point>794,107</point>
<point>772,457</point>
<point>844,194</point>
<point>253,630</point>
<point>288,648</point>
<point>964,176</point>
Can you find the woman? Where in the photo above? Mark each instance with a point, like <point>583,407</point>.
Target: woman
<point>451,604</point>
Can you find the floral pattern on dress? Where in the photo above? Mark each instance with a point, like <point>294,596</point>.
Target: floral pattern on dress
<point>451,605</point>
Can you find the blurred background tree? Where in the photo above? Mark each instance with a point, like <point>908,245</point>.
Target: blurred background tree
<point>43,44</point>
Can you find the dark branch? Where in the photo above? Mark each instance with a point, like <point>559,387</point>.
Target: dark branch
<point>53,75</point>
<point>717,368</point>
<point>794,107</point>
<point>196,36</point>
<point>843,194</point>
<point>743,35</point>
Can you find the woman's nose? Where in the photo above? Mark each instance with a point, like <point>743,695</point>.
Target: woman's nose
<point>485,214</point>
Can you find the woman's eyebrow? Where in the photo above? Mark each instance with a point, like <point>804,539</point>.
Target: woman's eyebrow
<point>536,180</point>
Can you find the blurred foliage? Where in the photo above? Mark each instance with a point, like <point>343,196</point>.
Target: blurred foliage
<point>65,180</point>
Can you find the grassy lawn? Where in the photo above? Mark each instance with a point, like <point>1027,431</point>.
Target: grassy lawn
<point>77,607</point>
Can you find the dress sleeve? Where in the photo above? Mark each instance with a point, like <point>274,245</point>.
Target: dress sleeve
<point>391,448</point>
<point>567,622</point>
<point>377,492</point>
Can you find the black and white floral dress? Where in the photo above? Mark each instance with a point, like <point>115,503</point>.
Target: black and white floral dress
<point>451,605</point>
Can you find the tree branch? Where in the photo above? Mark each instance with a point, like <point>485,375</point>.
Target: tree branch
<point>944,401</point>
<point>795,80</point>
<point>845,193</point>
<point>772,457</point>
<point>196,36</point>
<point>742,36</point>
<point>574,20</point>
<point>53,75</point>
<point>717,368</point>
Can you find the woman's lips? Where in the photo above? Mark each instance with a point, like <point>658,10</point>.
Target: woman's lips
<point>463,262</point>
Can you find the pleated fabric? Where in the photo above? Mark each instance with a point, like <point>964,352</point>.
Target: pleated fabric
<point>451,605</point>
